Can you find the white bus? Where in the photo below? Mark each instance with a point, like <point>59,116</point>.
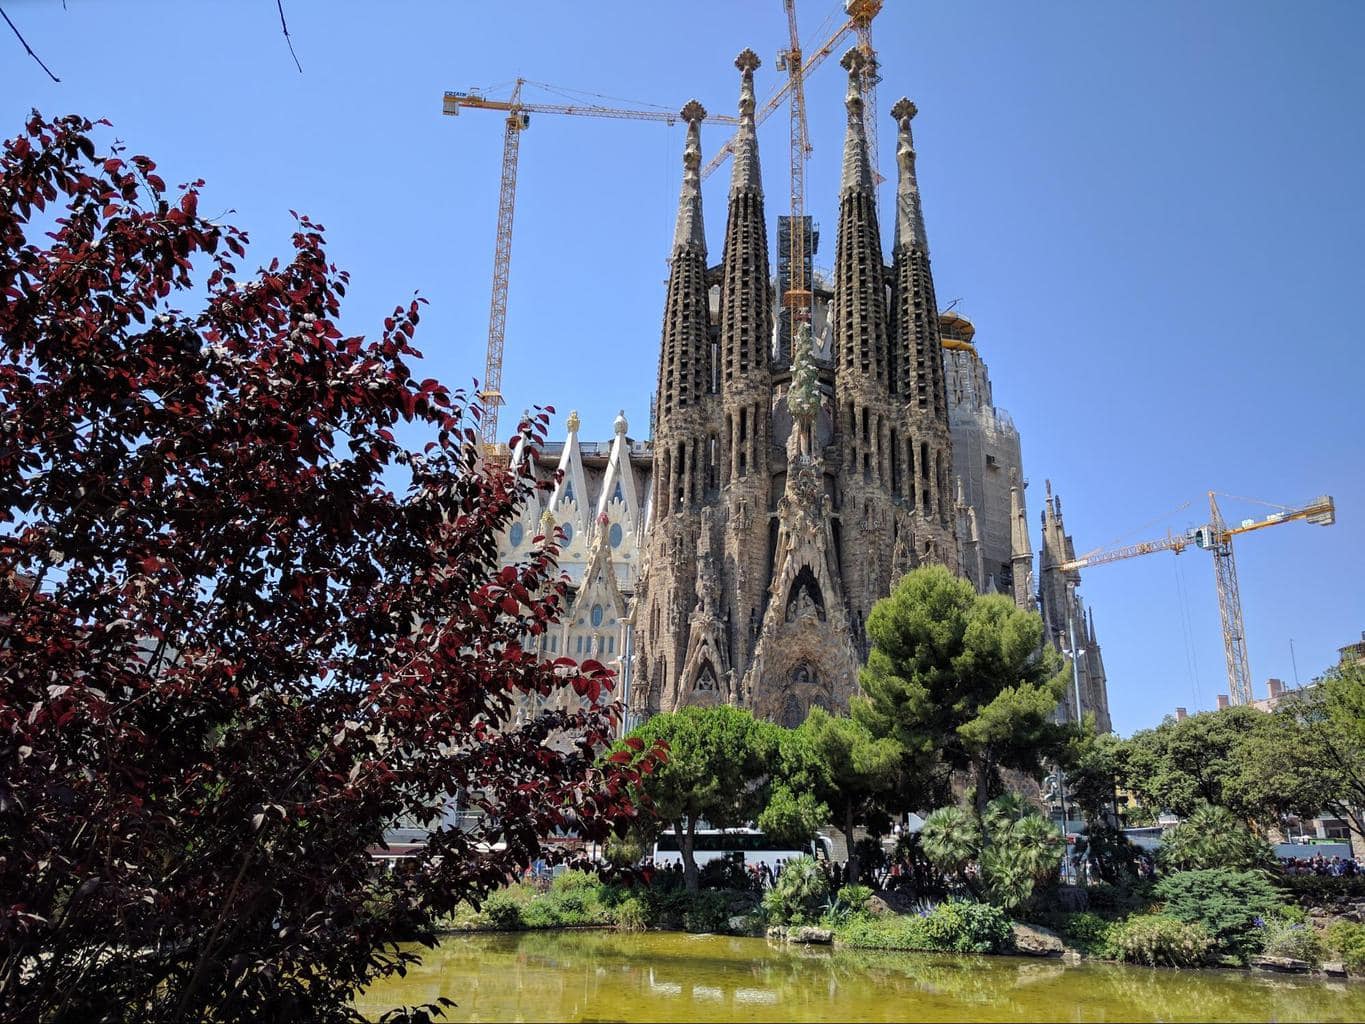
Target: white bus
<point>716,844</point>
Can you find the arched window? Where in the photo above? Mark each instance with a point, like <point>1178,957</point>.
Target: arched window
<point>516,534</point>
<point>614,535</point>
<point>597,613</point>
<point>568,533</point>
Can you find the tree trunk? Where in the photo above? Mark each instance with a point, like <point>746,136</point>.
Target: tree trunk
<point>852,875</point>
<point>685,841</point>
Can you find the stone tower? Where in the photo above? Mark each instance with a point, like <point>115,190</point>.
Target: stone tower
<point>787,499</point>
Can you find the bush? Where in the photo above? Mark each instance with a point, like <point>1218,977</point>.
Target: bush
<point>707,911</point>
<point>1226,903</point>
<point>1120,900</point>
<point>502,910</point>
<point>799,893</point>
<point>851,899</point>
<point>960,926</point>
<point>630,915</point>
<point>1346,941</point>
<point>723,873</point>
<point>576,881</point>
<point>1157,940</point>
<point>1324,890</point>
<point>1214,837</point>
<point>862,931</point>
<point>1281,937</point>
<point>1085,931</point>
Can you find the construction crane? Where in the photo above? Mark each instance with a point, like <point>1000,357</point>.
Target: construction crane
<point>860,14</point>
<point>1215,537</point>
<point>798,295</point>
<point>517,121</point>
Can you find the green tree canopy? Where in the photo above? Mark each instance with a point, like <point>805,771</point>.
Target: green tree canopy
<point>962,682</point>
<point>718,769</point>
<point>856,772</point>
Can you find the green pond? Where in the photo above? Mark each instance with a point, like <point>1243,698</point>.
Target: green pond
<point>669,976</point>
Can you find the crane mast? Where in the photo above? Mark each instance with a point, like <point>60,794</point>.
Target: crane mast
<point>798,296</point>
<point>1215,537</point>
<point>517,121</point>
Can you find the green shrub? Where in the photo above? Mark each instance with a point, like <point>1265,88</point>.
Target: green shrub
<point>849,900</point>
<point>576,881</point>
<point>1346,941</point>
<point>1122,899</point>
<point>1226,903</point>
<point>1214,837</point>
<point>960,926</point>
<point>502,910</point>
<point>1157,940</point>
<point>887,932</point>
<point>1324,890</point>
<point>630,915</point>
<point>799,893</point>
<point>1280,937</point>
<point>1087,932</point>
<point>707,911</point>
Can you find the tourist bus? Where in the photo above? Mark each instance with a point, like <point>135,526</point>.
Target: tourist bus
<point>719,843</point>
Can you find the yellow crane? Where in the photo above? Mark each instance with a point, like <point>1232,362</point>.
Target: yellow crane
<point>1215,537</point>
<point>860,14</point>
<point>517,121</point>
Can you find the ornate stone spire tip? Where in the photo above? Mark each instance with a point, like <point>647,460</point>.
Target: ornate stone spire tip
<point>904,110</point>
<point>747,61</point>
<point>853,61</point>
<point>692,112</point>
<point>573,423</point>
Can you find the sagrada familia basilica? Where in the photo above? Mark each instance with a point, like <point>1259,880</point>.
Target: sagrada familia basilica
<point>791,479</point>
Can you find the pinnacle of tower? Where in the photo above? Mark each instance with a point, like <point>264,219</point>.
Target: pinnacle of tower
<point>1019,541</point>
<point>1090,626</point>
<point>745,173</point>
<point>909,212</point>
<point>857,167</point>
<point>690,232</point>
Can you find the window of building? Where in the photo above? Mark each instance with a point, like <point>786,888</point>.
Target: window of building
<point>568,533</point>
<point>516,534</point>
<point>597,615</point>
<point>614,535</point>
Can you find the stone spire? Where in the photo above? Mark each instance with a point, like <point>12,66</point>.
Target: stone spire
<point>689,233</point>
<point>1021,551</point>
<point>860,315</point>
<point>745,173</point>
<point>916,349</point>
<point>683,356</point>
<point>857,166</point>
<point>745,295</point>
<point>909,214</point>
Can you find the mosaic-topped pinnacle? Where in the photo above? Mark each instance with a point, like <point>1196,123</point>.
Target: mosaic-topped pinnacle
<point>909,212</point>
<point>744,174</point>
<point>689,231</point>
<point>692,112</point>
<point>619,425</point>
<point>573,422</point>
<point>857,172</point>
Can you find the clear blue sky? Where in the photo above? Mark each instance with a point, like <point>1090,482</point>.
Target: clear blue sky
<point>1152,212</point>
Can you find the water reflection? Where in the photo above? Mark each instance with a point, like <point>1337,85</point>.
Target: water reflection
<point>578,976</point>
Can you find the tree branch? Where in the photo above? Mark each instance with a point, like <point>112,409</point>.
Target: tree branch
<point>29,50</point>
<point>279,4</point>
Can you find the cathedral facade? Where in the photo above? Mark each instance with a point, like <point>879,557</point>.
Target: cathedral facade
<point>793,475</point>
<point>788,497</point>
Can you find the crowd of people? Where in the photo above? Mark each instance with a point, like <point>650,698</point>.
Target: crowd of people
<point>1335,867</point>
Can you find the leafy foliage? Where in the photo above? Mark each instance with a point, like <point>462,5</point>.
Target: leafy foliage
<point>1157,940</point>
<point>1225,903</point>
<point>1294,939</point>
<point>245,628</point>
<point>964,926</point>
<point>962,682</point>
<point>799,894</point>
<point>1213,837</point>
<point>1014,847</point>
<point>718,764</point>
<point>1346,940</point>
